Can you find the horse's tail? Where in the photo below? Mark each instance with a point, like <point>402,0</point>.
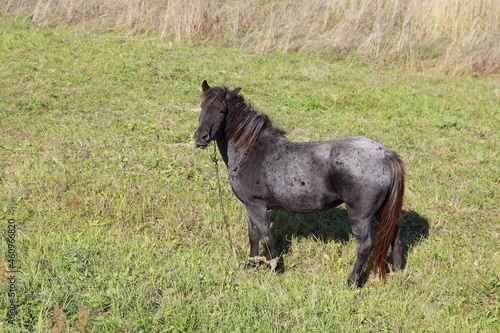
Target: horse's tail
<point>389,214</point>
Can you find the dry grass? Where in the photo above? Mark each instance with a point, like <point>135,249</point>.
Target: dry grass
<point>57,323</point>
<point>456,36</point>
<point>3,272</point>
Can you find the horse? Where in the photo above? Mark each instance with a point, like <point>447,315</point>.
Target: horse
<point>268,171</point>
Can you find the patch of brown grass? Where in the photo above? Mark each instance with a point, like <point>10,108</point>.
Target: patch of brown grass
<point>57,323</point>
<point>3,270</point>
<point>81,323</point>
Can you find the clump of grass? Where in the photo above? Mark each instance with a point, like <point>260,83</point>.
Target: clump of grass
<point>456,36</point>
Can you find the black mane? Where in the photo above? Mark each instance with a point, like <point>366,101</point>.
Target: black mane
<point>243,124</point>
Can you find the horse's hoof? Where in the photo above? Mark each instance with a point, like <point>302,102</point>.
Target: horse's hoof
<point>251,264</point>
<point>257,261</point>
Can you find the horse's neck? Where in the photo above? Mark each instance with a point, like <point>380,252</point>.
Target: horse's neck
<point>231,155</point>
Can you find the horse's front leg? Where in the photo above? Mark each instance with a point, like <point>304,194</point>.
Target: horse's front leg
<point>259,230</point>
<point>253,237</point>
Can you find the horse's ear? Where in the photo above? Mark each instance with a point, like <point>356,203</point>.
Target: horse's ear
<point>205,85</point>
<point>232,93</point>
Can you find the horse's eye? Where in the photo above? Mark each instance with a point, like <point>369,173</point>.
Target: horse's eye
<point>222,111</point>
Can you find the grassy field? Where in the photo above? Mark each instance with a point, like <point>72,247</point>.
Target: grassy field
<point>117,219</point>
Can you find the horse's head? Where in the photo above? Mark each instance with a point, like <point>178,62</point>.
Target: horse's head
<point>213,113</point>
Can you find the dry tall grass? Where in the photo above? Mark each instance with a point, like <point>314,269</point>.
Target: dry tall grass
<point>457,36</point>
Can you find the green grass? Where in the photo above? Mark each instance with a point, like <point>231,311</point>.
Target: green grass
<point>118,217</point>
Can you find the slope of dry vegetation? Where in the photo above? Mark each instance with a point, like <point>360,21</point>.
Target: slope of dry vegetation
<point>455,36</point>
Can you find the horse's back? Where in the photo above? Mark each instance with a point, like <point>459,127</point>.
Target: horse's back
<point>359,156</point>
<point>353,155</point>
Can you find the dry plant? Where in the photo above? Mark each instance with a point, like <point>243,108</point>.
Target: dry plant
<point>81,323</point>
<point>3,271</point>
<point>57,323</point>
<point>457,36</point>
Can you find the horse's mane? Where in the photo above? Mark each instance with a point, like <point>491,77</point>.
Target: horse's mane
<point>243,123</point>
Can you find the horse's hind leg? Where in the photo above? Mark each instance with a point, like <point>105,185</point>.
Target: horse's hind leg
<point>397,250</point>
<point>364,243</point>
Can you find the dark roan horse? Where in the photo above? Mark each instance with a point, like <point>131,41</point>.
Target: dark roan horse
<point>269,171</point>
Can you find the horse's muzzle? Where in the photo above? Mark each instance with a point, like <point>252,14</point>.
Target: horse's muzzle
<point>201,145</point>
<point>201,139</point>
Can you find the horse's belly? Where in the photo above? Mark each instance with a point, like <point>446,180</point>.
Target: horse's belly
<point>299,197</point>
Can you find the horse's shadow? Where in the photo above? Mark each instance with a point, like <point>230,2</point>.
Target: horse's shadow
<point>334,225</point>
